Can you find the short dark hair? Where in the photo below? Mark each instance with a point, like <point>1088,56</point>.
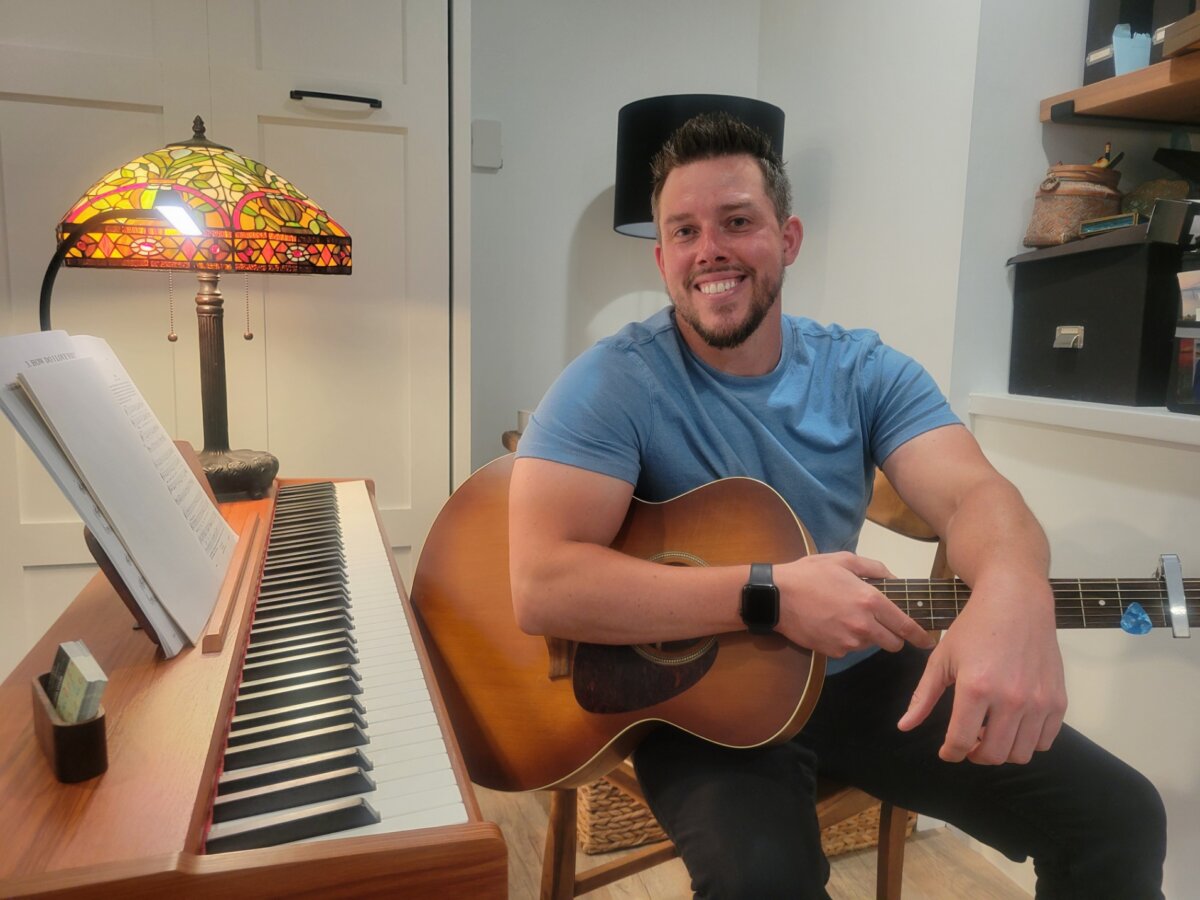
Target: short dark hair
<point>717,134</point>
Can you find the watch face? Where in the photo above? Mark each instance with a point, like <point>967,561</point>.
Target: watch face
<point>760,605</point>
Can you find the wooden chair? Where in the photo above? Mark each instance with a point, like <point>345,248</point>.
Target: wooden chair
<point>835,803</point>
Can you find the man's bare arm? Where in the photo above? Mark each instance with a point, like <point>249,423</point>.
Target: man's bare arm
<point>567,581</point>
<point>1002,652</point>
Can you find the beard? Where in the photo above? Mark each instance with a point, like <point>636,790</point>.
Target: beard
<point>732,334</point>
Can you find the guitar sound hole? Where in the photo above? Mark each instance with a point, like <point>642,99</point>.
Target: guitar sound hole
<point>674,653</point>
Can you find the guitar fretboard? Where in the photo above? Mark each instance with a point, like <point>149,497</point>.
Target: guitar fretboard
<point>1078,602</point>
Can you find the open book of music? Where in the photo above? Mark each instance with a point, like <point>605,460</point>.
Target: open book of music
<point>76,407</point>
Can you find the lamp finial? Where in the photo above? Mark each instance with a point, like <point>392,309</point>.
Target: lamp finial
<point>199,138</point>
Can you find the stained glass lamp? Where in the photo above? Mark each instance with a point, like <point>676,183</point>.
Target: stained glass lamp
<point>200,206</point>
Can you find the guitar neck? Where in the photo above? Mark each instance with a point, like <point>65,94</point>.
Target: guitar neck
<point>1078,602</point>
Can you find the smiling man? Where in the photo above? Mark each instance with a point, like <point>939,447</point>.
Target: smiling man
<point>722,384</point>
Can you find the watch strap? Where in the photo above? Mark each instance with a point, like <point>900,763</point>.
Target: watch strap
<point>762,573</point>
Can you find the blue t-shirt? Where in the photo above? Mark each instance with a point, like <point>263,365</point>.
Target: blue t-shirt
<point>640,406</point>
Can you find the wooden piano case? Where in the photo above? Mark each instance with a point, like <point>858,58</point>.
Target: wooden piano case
<point>138,829</point>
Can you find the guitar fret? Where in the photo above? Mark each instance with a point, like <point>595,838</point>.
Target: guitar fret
<point>1078,602</point>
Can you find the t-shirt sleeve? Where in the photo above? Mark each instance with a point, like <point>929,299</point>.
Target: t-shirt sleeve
<point>597,415</point>
<point>904,402</point>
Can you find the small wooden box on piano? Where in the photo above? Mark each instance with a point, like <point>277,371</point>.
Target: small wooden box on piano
<point>140,829</point>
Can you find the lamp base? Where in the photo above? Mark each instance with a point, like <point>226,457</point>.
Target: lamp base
<point>239,474</point>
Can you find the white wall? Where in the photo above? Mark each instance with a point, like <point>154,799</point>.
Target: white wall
<point>878,98</point>
<point>878,125</point>
<point>549,275</point>
<point>1109,504</point>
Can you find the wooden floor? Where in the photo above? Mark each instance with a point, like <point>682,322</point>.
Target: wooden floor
<point>938,865</point>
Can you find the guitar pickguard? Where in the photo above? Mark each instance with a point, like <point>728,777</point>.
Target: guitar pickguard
<point>619,678</point>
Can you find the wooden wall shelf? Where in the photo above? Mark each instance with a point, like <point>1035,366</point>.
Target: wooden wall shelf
<point>1165,95</point>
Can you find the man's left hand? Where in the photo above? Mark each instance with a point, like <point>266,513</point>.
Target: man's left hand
<point>1002,656</point>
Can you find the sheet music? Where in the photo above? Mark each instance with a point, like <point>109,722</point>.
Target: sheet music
<point>115,463</point>
<point>121,452</point>
<point>215,537</point>
<point>20,352</point>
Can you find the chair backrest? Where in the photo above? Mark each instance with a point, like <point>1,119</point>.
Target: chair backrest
<point>889,511</point>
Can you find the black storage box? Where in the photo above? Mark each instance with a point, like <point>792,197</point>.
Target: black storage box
<point>1095,319</point>
<point>1144,16</point>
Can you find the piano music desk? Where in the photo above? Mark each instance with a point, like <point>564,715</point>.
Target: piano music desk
<point>137,830</point>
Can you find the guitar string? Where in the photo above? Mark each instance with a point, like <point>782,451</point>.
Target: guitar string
<point>944,592</point>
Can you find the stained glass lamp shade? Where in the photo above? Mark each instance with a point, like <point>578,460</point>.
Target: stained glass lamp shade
<point>247,219</point>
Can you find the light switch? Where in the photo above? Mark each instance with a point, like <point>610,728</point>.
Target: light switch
<point>486,152</point>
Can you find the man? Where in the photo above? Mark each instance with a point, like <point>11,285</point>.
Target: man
<point>968,730</point>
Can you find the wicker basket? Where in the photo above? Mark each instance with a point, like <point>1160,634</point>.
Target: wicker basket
<point>1067,196</point>
<point>609,819</point>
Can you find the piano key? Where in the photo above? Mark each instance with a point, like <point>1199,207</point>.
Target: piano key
<point>286,609</point>
<point>263,731</point>
<point>299,559</point>
<point>287,644</point>
<point>299,628</point>
<point>255,682</point>
<point>280,651</point>
<point>293,825</point>
<point>298,711</point>
<point>331,542</point>
<point>288,769</point>
<point>306,743</point>
<point>288,593</point>
<point>288,794</point>
<point>291,695</point>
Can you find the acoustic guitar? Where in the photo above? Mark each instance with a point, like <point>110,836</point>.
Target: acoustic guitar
<point>532,713</point>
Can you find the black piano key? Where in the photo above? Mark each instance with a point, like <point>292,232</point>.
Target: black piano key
<point>294,825</point>
<point>299,548</point>
<point>316,577</point>
<point>302,533</point>
<point>306,743</point>
<point>290,696</point>
<point>291,648</point>
<point>236,780</point>
<point>299,628</point>
<point>309,605</point>
<point>298,710</point>
<point>290,794</point>
<point>287,561</point>
<point>267,682</point>
<point>317,661</point>
<point>287,644</point>
<point>307,622</point>
<point>267,731</point>
<point>290,593</point>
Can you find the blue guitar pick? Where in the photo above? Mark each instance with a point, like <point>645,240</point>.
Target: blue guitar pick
<point>1135,620</point>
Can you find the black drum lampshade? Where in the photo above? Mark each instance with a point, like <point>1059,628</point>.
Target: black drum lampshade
<point>644,126</point>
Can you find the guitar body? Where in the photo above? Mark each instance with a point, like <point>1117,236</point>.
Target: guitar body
<point>522,727</point>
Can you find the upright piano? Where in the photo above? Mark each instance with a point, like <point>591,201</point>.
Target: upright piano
<point>305,753</point>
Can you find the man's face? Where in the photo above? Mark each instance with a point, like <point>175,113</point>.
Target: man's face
<point>721,249</point>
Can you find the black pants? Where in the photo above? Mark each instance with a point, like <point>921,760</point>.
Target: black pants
<point>745,820</point>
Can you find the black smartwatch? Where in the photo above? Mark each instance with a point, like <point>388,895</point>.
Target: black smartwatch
<point>760,600</point>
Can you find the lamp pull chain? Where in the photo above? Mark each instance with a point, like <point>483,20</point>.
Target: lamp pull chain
<point>171,335</point>
<point>247,334</point>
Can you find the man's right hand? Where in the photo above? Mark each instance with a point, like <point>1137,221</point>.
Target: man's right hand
<point>826,605</point>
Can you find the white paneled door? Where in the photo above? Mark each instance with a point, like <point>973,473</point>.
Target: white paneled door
<point>345,376</point>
